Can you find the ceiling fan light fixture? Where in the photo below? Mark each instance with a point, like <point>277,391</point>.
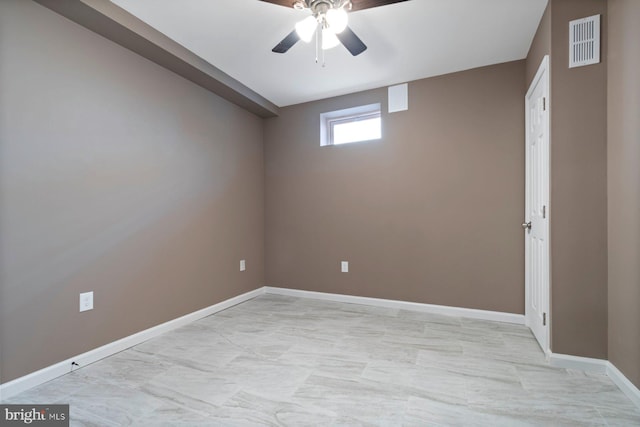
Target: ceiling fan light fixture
<point>307,28</point>
<point>337,20</point>
<point>329,39</point>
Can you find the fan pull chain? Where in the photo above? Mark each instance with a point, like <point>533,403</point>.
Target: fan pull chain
<point>322,52</point>
<point>318,41</point>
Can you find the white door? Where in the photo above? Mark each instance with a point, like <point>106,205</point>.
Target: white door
<point>536,224</point>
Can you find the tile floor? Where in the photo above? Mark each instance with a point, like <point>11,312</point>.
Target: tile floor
<point>279,360</point>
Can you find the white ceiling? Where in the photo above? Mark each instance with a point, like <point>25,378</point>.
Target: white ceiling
<point>407,41</point>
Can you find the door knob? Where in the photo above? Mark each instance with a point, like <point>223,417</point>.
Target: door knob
<point>526,225</point>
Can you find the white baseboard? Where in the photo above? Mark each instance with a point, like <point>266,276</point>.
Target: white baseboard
<point>565,361</point>
<point>598,366</point>
<point>11,388</point>
<point>405,305</point>
<point>586,364</point>
<point>623,383</point>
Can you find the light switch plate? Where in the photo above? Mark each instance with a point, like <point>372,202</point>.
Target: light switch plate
<point>243,265</point>
<point>344,266</point>
<point>86,301</point>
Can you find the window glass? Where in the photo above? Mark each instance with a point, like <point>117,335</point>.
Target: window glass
<point>356,131</point>
<point>363,123</point>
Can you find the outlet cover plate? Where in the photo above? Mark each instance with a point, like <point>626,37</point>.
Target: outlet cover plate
<point>243,265</point>
<point>86,301</point>
<point>344,266</point>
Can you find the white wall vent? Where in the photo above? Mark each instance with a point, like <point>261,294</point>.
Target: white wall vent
<point>584,41</point>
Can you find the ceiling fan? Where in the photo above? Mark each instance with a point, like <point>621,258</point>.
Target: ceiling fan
<point>328,21</point>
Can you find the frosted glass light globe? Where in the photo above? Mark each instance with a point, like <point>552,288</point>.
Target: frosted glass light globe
<point>329,39</point>
<point>306,28</point>
<point>337,20</point>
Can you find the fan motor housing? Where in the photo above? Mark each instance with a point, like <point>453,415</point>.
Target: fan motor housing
<point>321,6</point>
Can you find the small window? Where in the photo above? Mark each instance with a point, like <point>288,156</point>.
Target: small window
<point>351,125</point>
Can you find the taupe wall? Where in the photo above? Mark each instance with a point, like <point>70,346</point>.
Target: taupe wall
<point>430,213</point>
<point>540,46</point>
<point>624,186</point>
<point>118,177</point>
<point>578,211</point>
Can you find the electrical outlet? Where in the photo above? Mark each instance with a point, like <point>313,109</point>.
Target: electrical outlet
<point>86,301</point>
<point>243,265</point>
<point>344,266</point>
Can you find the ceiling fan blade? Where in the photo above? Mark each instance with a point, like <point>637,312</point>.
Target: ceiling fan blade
<point>368,4</point>
<point>285,3</point>
<point>287,42</point>
<point>352,42</point>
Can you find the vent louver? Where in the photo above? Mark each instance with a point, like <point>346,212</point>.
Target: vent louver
<point>584,41</point>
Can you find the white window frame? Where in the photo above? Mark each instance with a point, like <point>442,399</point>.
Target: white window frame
<point>349,115</point>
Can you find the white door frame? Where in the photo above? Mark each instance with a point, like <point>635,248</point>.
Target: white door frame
<point>541,77</point>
